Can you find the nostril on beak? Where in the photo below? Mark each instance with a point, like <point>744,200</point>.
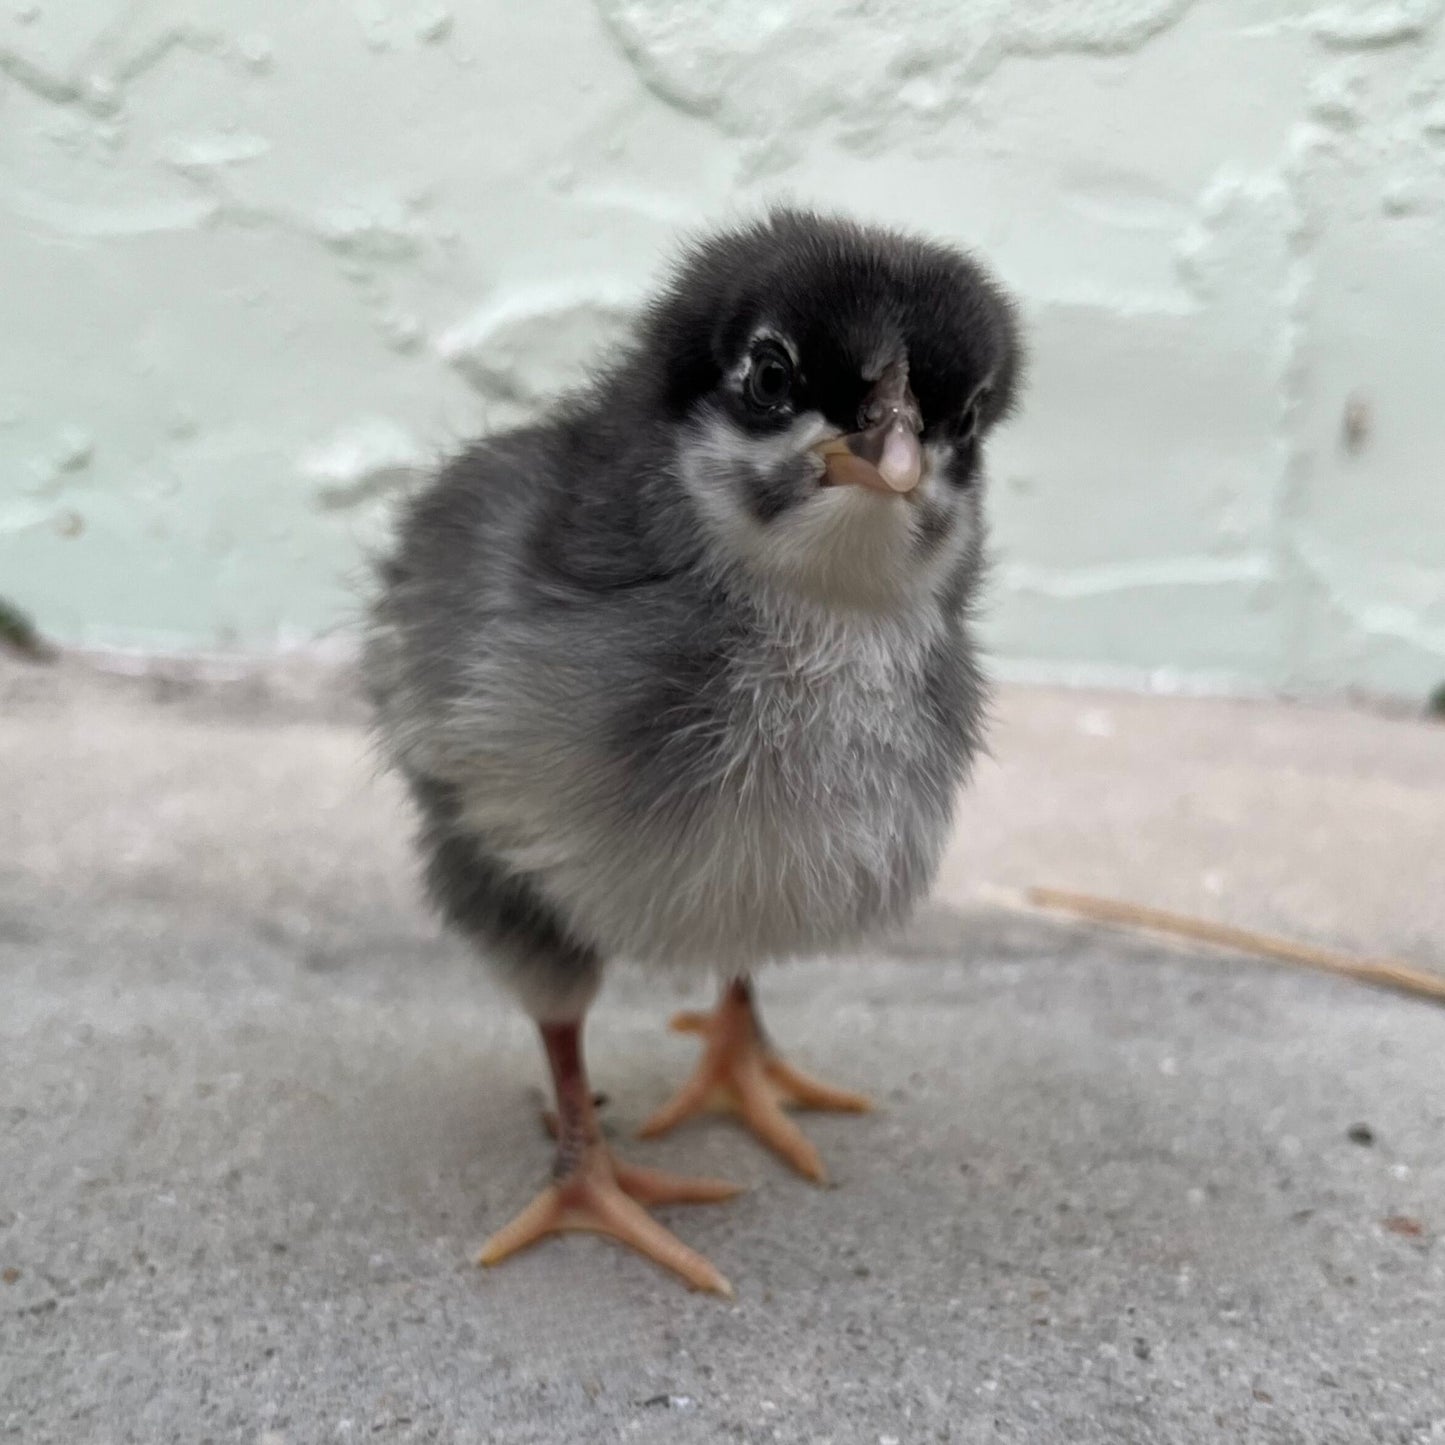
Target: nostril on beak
<point>890,401</point>
<point>873,413</point>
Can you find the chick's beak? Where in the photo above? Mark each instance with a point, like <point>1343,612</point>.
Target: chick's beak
<point>884,454</point>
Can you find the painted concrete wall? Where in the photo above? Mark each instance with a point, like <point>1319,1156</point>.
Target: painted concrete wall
<point>260,258</point>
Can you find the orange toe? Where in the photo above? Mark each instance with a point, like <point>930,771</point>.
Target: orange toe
<point>605,1197</point>
<point>740,1073</point>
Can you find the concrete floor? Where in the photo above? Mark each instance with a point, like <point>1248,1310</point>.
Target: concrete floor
<point>255,1113</point>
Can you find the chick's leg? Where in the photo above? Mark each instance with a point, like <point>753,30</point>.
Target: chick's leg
<point>592,1191</point>
<point>739,1072</point>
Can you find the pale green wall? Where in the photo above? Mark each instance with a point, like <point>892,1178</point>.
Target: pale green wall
<point>262,257</point>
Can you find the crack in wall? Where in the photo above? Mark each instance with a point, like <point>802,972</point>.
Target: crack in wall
<point>1297,461</point>
<point>733,65</point>
<point>1074,583</point>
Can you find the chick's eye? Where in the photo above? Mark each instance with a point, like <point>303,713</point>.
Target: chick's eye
<point>770,379</point>
<point>966,427</point>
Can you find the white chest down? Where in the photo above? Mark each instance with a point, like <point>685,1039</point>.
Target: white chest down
<point>821,817</point>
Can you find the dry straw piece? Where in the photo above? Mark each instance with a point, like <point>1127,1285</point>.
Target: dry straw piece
<point>1381,972</point>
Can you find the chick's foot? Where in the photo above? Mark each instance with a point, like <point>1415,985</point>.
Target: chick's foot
<point>602,1195</point>
<point>592,1191</point>
<point>740,1073</point>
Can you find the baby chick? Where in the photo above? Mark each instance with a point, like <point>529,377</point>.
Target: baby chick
<point>683,673</point>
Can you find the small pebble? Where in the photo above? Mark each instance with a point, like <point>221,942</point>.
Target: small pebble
<point>669,1402</point>
<point>1404,1224</point>
<point>1360,1134</point>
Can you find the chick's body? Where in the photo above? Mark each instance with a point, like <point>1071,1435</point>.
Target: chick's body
<point>659,691</point>
<point>684,777</point>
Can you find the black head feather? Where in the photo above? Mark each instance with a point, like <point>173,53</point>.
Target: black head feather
<point>843,295</point>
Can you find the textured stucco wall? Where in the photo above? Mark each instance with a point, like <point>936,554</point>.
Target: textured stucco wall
<point>259,258</point>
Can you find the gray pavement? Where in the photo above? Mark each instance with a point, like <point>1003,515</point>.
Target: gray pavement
<point>255,1112</point>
